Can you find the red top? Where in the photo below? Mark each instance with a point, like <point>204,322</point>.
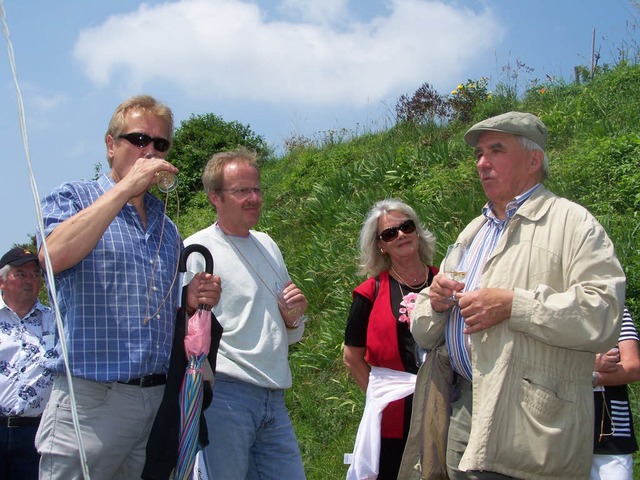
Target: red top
<point>382,347</point>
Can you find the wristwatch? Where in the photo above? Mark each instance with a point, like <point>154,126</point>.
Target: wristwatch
<point>594,379</point>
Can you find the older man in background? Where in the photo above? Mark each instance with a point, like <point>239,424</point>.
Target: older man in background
<point>27,333</point>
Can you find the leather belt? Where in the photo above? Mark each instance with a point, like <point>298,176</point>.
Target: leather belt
<point>12,422</point>
<point>148,380</point>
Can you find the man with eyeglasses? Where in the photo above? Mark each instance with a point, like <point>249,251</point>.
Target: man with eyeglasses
<point>543,293</point>
<point>115,253</point>
<point>261,312</point>
<point>27,333</point>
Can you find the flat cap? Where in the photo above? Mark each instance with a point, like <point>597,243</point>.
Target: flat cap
<point>516,123</point>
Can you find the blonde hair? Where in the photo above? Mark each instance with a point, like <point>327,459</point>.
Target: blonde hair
<point>139,103</point>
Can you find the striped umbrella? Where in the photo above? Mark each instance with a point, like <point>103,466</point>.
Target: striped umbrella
<point>197,342</point>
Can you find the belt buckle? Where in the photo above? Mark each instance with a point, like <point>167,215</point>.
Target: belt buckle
<point>152,380</point>
<point>148,381</point>
<point>11,420</point>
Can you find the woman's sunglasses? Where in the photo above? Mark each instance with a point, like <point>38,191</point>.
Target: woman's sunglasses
<point>142,140</point>
<point>390,234</point>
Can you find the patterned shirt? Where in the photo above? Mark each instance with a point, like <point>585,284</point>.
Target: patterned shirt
<point>476,256</point>
<point>27,355</point>
<point>118,304</point>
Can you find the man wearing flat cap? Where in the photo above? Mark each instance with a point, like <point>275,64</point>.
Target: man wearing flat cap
<point>27,333</point>
<point>543,294</point>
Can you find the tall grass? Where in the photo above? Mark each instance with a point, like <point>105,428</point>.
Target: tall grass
<point>318,194</point>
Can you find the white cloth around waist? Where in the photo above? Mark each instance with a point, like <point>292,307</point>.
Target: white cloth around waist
<point>385,386</point>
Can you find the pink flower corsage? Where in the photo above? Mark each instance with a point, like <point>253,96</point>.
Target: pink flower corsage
<point>407,304</point>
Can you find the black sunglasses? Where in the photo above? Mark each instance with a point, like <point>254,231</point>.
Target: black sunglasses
<point>142,140</point>
<point>390,234</point>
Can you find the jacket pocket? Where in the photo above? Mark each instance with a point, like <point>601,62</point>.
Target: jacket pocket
<point>543,405</point>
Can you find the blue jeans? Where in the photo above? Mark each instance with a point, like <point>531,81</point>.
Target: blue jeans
<point>250,434</point>
<point>18,456</point>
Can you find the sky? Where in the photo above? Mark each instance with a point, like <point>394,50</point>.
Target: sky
<point>286,68</point>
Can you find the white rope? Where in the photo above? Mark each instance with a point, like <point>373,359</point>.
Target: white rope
<point>40,223</point>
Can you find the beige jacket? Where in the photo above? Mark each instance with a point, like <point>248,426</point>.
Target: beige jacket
<point>532,394</point>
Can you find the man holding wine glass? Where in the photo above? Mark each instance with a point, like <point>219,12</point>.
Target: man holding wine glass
<point>262,312</point>
<point>542,294</point>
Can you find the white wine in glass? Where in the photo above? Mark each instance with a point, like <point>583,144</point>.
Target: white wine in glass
<point>453,265</point>
<point>456,275</point>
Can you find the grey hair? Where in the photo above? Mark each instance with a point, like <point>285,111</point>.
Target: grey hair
<point>4,271</point>
<point>532,146</point>
<point>372,261</point>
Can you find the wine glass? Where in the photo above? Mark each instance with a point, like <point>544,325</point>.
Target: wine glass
<point>454,265</point>
<point>166,181</point>
<point>301,318</point>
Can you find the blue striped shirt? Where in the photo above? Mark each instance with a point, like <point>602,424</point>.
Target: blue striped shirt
<point>105,298</point>
<point>475,258</point>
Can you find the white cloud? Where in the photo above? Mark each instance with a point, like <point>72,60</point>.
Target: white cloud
<point>324,12</point>
<point>229,49</point>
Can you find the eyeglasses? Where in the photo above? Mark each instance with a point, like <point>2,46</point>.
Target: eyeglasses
<point>390,234</point>
<point>243,192</point>
<point>142,140</point>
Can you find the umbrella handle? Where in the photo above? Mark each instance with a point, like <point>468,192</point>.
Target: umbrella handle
<point>188,250</point>
<point>182,266</point>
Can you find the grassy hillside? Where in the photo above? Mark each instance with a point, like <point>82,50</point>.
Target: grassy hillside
<point>319,192</point>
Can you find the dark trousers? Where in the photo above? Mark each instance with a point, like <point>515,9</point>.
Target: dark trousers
<point>18,456</point>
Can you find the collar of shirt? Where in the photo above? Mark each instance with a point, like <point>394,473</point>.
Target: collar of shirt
<point>512,207</point>
<point>36,307</point>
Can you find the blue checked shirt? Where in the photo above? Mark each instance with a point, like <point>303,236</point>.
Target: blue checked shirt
<point>127,277</point>
<point>476,256</point>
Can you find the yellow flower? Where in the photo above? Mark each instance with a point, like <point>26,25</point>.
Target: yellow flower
<point>454,92</point>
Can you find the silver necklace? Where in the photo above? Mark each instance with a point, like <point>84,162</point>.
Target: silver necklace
<point>246,260</point>
<point>421,286</point>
